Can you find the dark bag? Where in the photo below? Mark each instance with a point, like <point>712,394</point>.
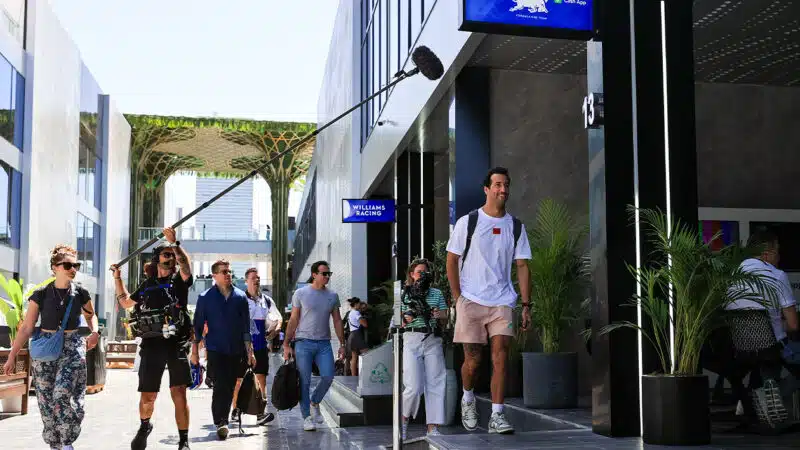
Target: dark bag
<point>286,386</point>
<point>250,401</point>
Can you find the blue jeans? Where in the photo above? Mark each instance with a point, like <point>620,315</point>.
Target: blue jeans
<point>306,352</point>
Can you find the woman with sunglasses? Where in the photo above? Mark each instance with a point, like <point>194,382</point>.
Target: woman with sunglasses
<point>61,384</point>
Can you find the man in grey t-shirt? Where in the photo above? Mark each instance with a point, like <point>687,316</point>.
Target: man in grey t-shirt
<point>309,326</point>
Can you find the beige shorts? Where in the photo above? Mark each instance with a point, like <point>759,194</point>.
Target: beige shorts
<point>474,321</point>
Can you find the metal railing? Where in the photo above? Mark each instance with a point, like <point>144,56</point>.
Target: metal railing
<point>203,233</point>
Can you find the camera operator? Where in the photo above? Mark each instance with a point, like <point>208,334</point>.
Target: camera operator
<point>162,320</point>
<point>424,310</point>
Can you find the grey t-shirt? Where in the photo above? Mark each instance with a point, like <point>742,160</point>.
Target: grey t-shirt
<point>316,306</point>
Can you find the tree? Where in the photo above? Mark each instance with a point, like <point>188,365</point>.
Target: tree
<point>279,175</point>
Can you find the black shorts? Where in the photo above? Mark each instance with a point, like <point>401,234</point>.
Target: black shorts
<point>157,354</point>
<point>262,363</point>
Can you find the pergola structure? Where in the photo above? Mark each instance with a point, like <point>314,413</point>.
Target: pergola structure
<point>162,146</point>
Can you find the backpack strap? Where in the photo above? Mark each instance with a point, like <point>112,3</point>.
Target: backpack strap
<point>472,222</point>
<point>517,233</point>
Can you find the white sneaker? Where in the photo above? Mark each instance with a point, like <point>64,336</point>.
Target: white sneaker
<point>435,431</point>
<point>469,415</point>
<point>309,425</point>
<point>316,413</point>
<point>498,424</point>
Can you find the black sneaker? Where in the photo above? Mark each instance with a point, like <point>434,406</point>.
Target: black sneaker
<point>140,440</point>
<point>263,419</point>
<point>236,415</point>
<point>222,431</point>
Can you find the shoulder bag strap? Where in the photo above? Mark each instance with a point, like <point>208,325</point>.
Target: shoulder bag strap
<point>69,307</point>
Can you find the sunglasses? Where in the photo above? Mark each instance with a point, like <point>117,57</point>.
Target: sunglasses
<point>167,254</point>
<point>70,265</point>
<point>326,274</point>
<point>225,272</point>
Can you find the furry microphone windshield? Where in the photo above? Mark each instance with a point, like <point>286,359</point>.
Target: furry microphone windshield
<point>427,62</point>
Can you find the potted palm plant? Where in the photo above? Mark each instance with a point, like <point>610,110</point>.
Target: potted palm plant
<point>13,307</point>
<point>682,294</point>
<point>559,280</point>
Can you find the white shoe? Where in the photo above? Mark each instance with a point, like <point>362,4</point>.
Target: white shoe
<point>316,413</point>
<point>498,424</point>
<point>469,415</point>
<point>309,425</point>
<point>435,431</point>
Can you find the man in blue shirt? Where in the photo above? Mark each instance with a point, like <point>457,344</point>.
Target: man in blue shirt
<point>224,308</point>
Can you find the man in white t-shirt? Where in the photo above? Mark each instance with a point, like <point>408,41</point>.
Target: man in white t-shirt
<point>479,273</point>
<point>785,310</point>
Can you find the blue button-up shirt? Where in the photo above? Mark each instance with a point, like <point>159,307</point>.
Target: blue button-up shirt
<point>228,320</point>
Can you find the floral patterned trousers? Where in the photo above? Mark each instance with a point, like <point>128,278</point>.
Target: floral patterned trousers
<point>60,390</point>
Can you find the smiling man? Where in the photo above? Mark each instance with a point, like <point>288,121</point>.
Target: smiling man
<point>484,293</point>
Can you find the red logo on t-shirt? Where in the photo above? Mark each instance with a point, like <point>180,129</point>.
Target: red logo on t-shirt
<point>495,230</point>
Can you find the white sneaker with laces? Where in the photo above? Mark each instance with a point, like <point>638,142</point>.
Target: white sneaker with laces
<point>498,424</point>
<point>469,415</point>
<point>316,413</point>
<point>309,425</point>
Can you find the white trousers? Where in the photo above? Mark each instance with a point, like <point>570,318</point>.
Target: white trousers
<point>423,372</point>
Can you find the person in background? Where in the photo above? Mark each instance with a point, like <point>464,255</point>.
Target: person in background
<point>423,354</point>
<point>309,326</point>
<point>265,325</point>
<point>224,309</point>
<point>356,341</point>
<point>61,384</point>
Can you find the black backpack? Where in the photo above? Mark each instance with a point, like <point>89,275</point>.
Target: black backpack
<point>346,325</point>
<point>286,387</point>
<point>472,222</point>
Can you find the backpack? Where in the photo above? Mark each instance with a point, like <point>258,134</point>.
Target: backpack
<point>286,387</point>
<point>472,222</point>
<point>250,401</point>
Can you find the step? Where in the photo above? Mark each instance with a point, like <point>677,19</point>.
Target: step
<point>347,386</point>
<point>341,409</point>
<point>525,419</point>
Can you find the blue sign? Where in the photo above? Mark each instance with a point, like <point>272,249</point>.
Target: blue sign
<point>560,19</point>
<point>368,211</point>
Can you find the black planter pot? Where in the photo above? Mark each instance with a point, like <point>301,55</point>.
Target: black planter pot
<point>5,336</point>
<point>676,410</point>
<point>550,380</point>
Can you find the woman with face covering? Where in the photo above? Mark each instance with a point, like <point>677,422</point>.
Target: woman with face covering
<point>61,384</point>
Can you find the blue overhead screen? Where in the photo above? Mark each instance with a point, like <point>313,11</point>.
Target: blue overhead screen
<point>560,19</point>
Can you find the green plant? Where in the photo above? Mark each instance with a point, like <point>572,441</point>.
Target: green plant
<point>558,275</point>
<point>381,308</point>
<point>693,281</point>
<point>14,309</point>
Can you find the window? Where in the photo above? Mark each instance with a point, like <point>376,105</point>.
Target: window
<point>90,163</point>
<point>10,205</point>
<point>12,99</point>
<point>88,234</point>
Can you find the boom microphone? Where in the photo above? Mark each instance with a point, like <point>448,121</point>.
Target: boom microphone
<point>426,62</point>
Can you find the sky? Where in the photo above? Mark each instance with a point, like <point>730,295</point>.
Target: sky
<point>253,59</point>
<point>257,59</point>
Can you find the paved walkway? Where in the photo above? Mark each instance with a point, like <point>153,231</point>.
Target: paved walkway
<point>112,419</point>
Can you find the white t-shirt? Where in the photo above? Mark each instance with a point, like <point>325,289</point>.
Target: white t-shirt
<point>486,275</point>
<point>353,318</point>
<point>784,295</point>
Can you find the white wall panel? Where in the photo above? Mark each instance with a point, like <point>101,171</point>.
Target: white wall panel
<point>51,153</point>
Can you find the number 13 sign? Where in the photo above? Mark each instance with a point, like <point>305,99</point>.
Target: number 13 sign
<point>593,114</point>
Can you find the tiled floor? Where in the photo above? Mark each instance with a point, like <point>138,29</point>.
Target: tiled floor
<point>112,419</point>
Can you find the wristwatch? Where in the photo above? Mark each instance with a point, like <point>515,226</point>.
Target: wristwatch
<point>526,305</point>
